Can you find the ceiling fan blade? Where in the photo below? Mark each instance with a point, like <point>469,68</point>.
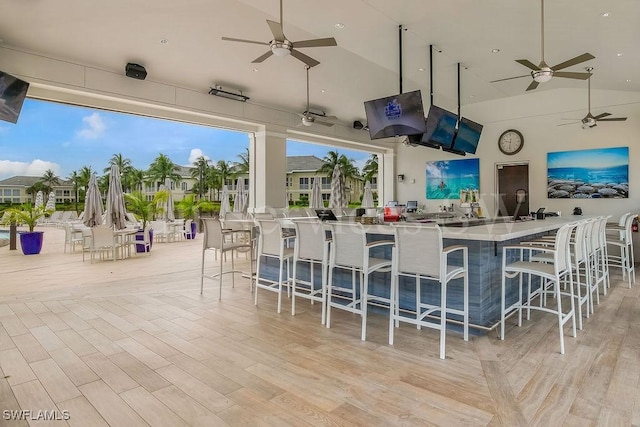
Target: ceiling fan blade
<point>528,64</point>
<point>571,119</point>
<point>262,57</point>
<point>304,58</point>
<point>230,39</point>
<point>319,122</point>
<point>600,116</point>
<point>276,30</point>
<point>612,119</point>
<point>572,123</point>
<point>510,78</point>
<point>534,84</point>
<point>578,59</point>
<point>316,43</point>
<point>570,75</point>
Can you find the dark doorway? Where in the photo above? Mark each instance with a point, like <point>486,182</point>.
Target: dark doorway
<point>513,190</point>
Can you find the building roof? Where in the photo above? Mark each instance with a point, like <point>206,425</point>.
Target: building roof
<point>303,164</point>
<point>27,181</point>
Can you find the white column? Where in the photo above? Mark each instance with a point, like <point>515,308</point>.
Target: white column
<point>268,169</point>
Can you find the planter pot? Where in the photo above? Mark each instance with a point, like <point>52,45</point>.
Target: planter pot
<point>191,234</point>
<point>31,242</point>
<point>141,248</point>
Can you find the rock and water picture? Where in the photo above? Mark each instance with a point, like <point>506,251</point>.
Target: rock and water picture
<point>601,173</point>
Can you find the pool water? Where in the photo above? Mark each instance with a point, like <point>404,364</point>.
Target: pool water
<point>4,234</point>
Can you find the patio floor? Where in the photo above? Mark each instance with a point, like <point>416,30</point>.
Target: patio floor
<point>133,342</point>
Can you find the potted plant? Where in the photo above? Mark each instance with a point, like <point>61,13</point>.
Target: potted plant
<point>30,241</point>
<point>144,210</point>
<point>188,207</point>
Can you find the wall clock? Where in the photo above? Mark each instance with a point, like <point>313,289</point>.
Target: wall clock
<point>511,142</point>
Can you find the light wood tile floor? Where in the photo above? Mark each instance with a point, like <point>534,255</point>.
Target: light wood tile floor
<point>134,343</point>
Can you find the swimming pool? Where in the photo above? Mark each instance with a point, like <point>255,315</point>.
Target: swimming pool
<point>4,234</point>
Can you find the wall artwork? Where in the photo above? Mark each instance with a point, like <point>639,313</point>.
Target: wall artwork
<point>601,173</point>
<point>451,179</point>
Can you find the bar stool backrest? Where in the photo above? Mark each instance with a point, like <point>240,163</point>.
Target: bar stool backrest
<point>348,241</point>
<point>212,233</point>
<point>583,227</point>
<point>562,260</point>
<point>270,241</point>
<point>627,235</point>
<point>310,239</point>
<point>419,249</point>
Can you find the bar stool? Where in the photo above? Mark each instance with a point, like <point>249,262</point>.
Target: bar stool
<point>351,252</point>
<point>623,240</point>
<point>272,243</point>
<point>554,272</point>
<point>598,260</point>
<point>312,248</point>
<point>419,254</point>
<point>215,240</point>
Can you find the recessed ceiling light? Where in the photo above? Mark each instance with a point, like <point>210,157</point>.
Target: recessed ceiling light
<point>620,54</point>
<point>323,91</point>
<point>495,50</point>
<point>339,25</point>
<point>628,80</point>
<point>472,96</point>
<point>164,41</point>
<point>421,69</point>
<point>255,70</point>
<point>605,14</point>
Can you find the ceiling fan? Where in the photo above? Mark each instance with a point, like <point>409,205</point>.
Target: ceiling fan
<point>281,46</point>
<point>308,118</point>
<point>590,120</point>
<point>542,73</point>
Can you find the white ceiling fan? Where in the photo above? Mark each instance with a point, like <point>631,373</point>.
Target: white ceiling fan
<point>590,120</point>
<point>308,117</point>
<point>281,46</point>
<point>542,73</point>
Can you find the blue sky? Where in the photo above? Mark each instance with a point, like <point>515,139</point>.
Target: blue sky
<point>65,138</point>
<point>599,158</point>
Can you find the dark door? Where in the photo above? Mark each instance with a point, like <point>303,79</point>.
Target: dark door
<point>513,190</point>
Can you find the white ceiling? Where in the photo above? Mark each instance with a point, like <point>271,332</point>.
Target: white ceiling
<point>364,65</point>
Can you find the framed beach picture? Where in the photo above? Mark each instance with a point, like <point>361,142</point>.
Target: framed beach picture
<point>453,179</point>
<point>601,173</point>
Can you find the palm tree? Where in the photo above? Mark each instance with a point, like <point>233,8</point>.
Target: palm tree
<point>223,172</point>
<point>75,179</point>
<point>370,168</point>
<point>85,176</point>
<point>125,166</point>
<point>49,179</point>
<point>201,166</point>
<point>161,169</point>
<point>333,158</point>
<point>33,190</point>
<point>135,178</point>
<point>242,167</point>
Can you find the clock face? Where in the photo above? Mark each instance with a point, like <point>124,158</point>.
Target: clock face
<point>510,142</point>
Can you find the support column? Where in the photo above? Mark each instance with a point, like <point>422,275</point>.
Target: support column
<point>268,169</point>
<point>386,178</point>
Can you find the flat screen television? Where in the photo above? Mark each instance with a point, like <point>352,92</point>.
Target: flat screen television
<point>467,137</point>
<point>12,94</point>
<point>396,115</point>
<point>441,127</point>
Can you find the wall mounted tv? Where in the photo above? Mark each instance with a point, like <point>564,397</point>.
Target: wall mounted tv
<point>467,136</point>
<point>396,115</point>
<point>12,94</point>
<point>441,127</point>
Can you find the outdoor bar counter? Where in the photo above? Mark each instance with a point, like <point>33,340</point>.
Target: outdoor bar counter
<point>485,239</point>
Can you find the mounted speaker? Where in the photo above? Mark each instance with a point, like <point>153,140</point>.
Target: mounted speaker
<point>135,71</point>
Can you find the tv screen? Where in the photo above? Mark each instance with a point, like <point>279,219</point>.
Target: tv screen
<point>12,94</point>
<point>468,136</point>
<point>396,115</point>
<point>441,127</point>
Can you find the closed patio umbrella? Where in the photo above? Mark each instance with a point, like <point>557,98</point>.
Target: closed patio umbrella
<point>51,202</point>
<point>39,204</point>
<point>167,206</point>
<point>316,195</point>
<point>224,202</point>
<point>239,199</point>
<point>367,197</point>
<point>116,213</point>
<point>338,199</point>
<point>92,214</point>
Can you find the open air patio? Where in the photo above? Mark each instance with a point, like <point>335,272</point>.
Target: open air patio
<point>134,343</point>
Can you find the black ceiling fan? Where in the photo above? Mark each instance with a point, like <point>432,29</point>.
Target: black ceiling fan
<point>542,73</point>
<point>590,120</point>
<point>281,46</point>
<point>308,117</point>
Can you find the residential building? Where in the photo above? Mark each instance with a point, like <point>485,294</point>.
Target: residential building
<point>15,190</point>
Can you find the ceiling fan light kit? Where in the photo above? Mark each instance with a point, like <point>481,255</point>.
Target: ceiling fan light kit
<point>543,75</point>
<point>280,48</point>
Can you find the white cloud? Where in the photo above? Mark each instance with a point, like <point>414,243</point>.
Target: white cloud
<point>94,127</point>
<point>194,154</point>
<point>37,167</point>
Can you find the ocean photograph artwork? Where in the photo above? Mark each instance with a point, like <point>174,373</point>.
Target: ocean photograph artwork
<point>448,179</point>
<point>601,173</point>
